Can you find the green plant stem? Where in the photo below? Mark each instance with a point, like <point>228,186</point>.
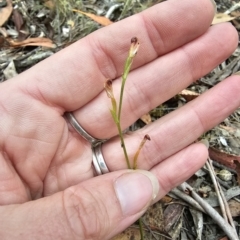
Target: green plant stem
<point>123,144</point>
<point>127,67</point>
<point>126,71</point>
<point>116,111</point>
<point>141,228</point>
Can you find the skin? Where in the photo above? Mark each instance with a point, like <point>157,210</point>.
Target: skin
<point>42,155</point>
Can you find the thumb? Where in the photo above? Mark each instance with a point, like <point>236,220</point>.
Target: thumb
<point>98,208</point>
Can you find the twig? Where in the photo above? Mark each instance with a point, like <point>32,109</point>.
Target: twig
<point>212,175</point>
<point>226,227</point>
<point>228,213</point>
<point>187,199</point>
<point>233,8</point>
<point>112,9</point>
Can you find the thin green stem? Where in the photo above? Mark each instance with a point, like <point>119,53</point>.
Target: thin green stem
<point>121,98</point>
<point>141,228</point>
<point>126,71</point>
<point>123,144</point>
<point>116,111</point>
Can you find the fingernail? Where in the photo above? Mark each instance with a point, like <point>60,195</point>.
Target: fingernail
<point>205,142</point>
<point>214,5</point>
<point>136,190</point>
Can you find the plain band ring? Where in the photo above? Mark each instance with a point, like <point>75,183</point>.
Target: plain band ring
<point>96,165</point>
<point>73,121</point>
<point>97,154</point>
<point>98,160</point>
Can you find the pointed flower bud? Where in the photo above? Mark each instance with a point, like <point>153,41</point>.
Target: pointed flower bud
<point>134,47</point>
<point>147,137</point>
<point>108,88</point>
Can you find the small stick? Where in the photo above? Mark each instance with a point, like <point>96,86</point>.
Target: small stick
<point>228,213</point>
<point>226,227</point>
<point>187,199</point>
<point>212,175</point>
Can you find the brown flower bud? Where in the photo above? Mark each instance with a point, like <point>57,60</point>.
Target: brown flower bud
<point>134,47</point>
<point>147,137</point>
<point>108,88</point>
<point>134,40</point>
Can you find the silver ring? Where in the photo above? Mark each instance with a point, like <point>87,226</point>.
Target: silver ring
<point>73,121</point>
<point>98,160</point>
<point>95,165</point>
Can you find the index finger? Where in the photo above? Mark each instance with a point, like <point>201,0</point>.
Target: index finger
<point>74,76</point>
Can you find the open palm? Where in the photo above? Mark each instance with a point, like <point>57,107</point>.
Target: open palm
<point>41,154</point>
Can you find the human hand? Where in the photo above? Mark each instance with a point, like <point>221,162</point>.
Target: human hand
<point>43,156</point>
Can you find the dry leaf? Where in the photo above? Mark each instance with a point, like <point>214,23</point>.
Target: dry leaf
<point>153,217</point>
<point>188,95</point>
<point>224,158</point>
<point>5,12</point>
<point>49,4</point>
<point>128,234</point>
<point>2,41</point>
<point>146,118</point>
<point>166,199</point>
<point>99,19</point>
<point>171,215</point>
<point>152,221</point>
<point>228,128</point>
<point>237,163</point>
<point>234,208</point>
<point>224,238</point>
<point>43,42</point>
<point>18,19</point>
<point>237,73</point>
<point>222,17</point>
<point>19,23</point>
